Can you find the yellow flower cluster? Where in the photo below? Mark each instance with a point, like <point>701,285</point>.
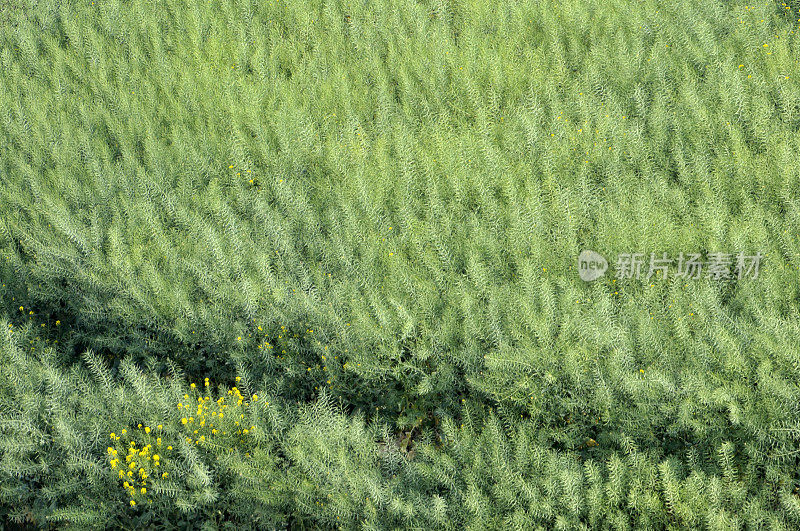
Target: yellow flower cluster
<point>140,463</point>
<point>205,420</point>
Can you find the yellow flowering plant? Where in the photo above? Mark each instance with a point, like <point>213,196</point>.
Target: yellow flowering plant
<point>222,423</point>
<point>143,457</point>
<point>138,460</point>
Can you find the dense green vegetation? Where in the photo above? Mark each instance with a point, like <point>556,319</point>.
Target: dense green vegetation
<point>356,226</point>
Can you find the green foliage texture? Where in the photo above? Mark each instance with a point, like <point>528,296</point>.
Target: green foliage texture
<point>370,213</point>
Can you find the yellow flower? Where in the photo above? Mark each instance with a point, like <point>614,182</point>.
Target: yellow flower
<point>133,503</point>
<point>238,378</point>
<point>193,386</point>
<point>147,429</point>
<point>255,397</point>
<point>184,421</point>
<point>124,431</point>
<point>164,475</point>
<point>159,426</point>
<point>140,426</point>
<point>126,485</point>
<point>144,490</point>
<point>58,323</point>
<point>169,447</point>
<point>156,457</point>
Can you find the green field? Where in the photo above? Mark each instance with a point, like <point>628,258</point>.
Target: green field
<point>315,265</point>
